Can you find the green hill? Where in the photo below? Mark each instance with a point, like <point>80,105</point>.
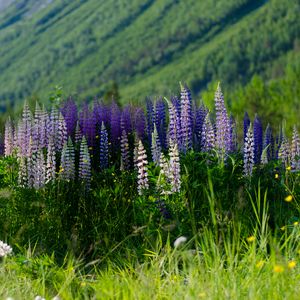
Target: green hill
<point>146,47</point>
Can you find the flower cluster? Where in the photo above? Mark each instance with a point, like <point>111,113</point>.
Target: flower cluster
<point>5,249</point>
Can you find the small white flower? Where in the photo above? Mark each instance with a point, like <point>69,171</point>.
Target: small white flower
<point>179,241</point>
<point>39,298</point>
<point>9,298</point>
<point>4,249</point>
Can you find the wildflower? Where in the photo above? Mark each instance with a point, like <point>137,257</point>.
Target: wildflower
<point>155,146</point>
<point>278,269</point>
<point>125,159</point>
<point>251,239</point>
<point>291,264</point>
<point>296,223</point>
<point>295,150</point>
<point>142,168</point>
<point>179,241</point>
<point>223,135</point>
<point>288,168</point>
<point>9,137</point>
<point>5,249</point>
<point>283,228</point>
<point>276,175</point>
<point>258,139</point>
<point>160,121</point>
<point>185,120</point>
<point>84,163</point>
<point>103,147</point>
<point>207,135</point>
<point>39,298</point>
<point>174,172</point>
<point>249,152</point>
<point>260,264</point>
<point>288,198</point>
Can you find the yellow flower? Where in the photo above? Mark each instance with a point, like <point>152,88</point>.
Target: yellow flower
<point>278,269</point>
<point>260,264</point>
<point>251,239</point>
<point>296,223</point>
<point>276,176</point>
<point>283,228</point>
<point>288,168</point>
<point>291,264</point>
<point>288,198</point>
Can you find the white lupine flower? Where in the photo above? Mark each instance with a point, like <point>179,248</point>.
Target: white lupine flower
<point>5,249</point>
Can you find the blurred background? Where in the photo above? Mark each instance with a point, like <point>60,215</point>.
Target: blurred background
<point>138,48</point>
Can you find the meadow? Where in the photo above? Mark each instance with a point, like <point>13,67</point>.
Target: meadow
<point>167,201</point>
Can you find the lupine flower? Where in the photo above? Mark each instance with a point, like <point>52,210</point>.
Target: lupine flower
<point>8,137</point>
<point>160,121</point>
<point>161,205</point>
<point>24,131</point>
<point>295,150</point>
<point>142,183</point>
<point>103,147</point>
<point>223,137</point>
<point>78,134</point>
<point>52,126</point>
<point>200,118</point>
<point>258,139</point>
<point>246,124</point>
<point>84,173</point>
<point>186,120</point>
<point>115,123</point>
<point>150,118</point>
<point>87,124</point>
<point>70,114</point>
<point>140,121</point>
<point>67,171</point>
<point>40,171</point>
<point>155,146</point>
<point>22,174</point>
<point>174,170</point>
<point>62,135</point>
<point>126,119</point>
<point>284,151</point>
<point>164,180</point>
<point>174,122</point>
<point>125,158</point>
<point>51,161</point>
<point>249,152</point>
<point>269,142</point>
<point>207,135</point>
<point>5,249</point>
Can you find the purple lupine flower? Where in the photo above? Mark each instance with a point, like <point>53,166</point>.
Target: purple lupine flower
<point>150,118</point>
<point>176,102</point>
<point>67,171</point>
<point>84,169</point>
<point>269,142</point>
<point>115,123</point>
<point>186,120</point>
<point>174,123</point>
<point>126,119</point>
<point>51,160</point>
<point>8,137</point>
<point>52,125</point>
<point>140,122</point>
<point>36,130</point>
<point>125,158</point>
<point>208,139</point>
<point>87,124</point>
<point>295,150</point>
<point>160,121</point>
<point>161,205</point>
<point>249,152</point>
<point>155,146</point>
<point>284,151</point>
<point>223,138</point>
<point>98,114</point>
<point>200,118</point>
<point>62,135</point>
<point>246,124</point>
<point>31,162</point>
<point>258,139</point>
<point>142,183</point>
<point>103,147</point>
<point>43,128</point>
<point>70,114</point>
<point>174,170</point>
<point>233,134</point>
<point>25,131</point>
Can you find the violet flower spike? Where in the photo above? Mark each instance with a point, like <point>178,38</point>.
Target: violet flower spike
<point>155,146</point>
<point>295,150</point>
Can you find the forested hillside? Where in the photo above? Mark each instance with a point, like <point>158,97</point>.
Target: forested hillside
<point>146,47</point>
